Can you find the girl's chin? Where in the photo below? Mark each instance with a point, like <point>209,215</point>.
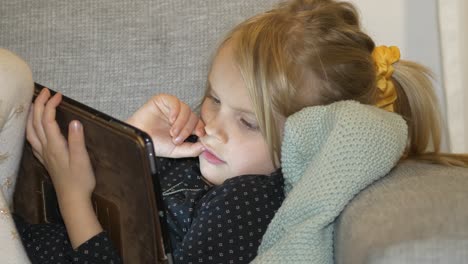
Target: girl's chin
<point>210,180</point>
<point>210,173</point>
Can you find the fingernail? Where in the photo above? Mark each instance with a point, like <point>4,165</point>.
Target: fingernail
<point>76,125</point>
<point>178,140</point>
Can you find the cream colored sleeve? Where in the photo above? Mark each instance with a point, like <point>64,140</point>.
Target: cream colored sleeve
<point>16,90</point>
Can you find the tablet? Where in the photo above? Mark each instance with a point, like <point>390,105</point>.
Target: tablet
<point>124,199</point>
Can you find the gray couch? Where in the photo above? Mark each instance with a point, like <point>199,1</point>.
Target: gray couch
<point>114,54</point>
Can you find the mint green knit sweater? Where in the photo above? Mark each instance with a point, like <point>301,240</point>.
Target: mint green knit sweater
<point>329,154</point>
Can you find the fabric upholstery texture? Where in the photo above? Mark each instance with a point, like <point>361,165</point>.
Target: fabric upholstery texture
<point>434,250</point>
<point>112,55</point>
<point>415,202</point>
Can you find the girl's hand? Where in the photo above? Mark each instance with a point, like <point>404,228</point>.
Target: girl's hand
<point>68,165</point>
<point>169,122</point>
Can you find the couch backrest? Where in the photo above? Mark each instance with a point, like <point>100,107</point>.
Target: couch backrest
<point>114,54</point>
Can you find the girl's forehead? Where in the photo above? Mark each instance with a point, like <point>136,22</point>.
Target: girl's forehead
<point>224,59</point>
<point>225,81</point>
<point>225,75</point>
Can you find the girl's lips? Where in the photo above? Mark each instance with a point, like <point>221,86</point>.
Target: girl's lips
<point>211,158</point>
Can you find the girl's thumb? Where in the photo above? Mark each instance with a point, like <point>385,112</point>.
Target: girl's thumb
<point>76,141</point>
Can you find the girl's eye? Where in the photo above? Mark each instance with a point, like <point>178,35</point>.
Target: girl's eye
<point>215,100</point>
<point>249,125</point>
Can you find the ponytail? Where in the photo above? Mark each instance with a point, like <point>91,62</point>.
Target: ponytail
<point>417,104</point>
<point>314,52</point>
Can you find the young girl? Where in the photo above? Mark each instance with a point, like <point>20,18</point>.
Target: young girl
<point>302,53</point>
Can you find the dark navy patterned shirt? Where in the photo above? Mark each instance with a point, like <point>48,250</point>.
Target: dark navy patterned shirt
<point>217,224</point>
<point>208,224</point>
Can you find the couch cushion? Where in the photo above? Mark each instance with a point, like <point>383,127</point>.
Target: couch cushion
<point>437,250</point>
<point>114,54</point>
<point>416,201</point>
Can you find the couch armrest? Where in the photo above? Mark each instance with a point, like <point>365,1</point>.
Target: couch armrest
<point>415,202</point>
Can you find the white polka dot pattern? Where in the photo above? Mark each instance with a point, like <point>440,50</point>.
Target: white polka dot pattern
<point>220,224</point>
<point>49,244</point>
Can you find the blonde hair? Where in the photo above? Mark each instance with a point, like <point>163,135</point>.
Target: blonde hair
<point>417,104</point>
<point>313,52</point>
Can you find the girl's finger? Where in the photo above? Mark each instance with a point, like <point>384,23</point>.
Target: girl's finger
<point>187,149</point>
<point>38,156</point>
<point>55,139</point>
<point>31,135</point>
<point>168,105</point>
<point>188,129</point>
<point>181,121</point>
<point>76,145</point>
<point>38,112</point>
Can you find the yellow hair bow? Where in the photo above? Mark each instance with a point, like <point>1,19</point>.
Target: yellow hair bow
<point>384,57</point>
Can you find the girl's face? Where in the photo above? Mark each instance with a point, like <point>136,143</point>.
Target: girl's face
<point>233,141</point>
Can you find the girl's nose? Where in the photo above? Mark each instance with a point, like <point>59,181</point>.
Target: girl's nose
<point>215,128</point>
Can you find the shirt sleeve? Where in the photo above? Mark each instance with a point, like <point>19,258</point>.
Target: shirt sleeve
<point>49,244</point>
<point>229,227</point>
<point>98,249</point>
